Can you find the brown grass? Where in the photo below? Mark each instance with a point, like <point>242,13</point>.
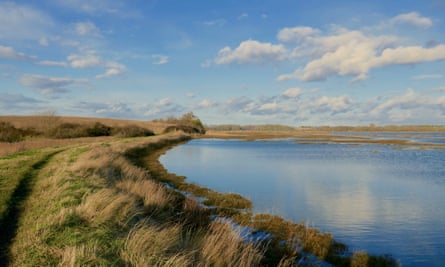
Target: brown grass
<point>13,148</point>
<point>42,123</point>
<point>224,246</point>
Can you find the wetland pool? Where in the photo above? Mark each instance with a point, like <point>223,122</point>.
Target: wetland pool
<point>374,198</point>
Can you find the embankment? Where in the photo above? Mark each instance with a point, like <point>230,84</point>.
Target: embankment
<point>111,203</point>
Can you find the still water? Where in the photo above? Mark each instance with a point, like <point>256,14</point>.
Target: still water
<point>374,198</point>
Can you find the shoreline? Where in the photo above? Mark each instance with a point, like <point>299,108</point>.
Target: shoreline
<point>275,225</point>
<point>329,138</point>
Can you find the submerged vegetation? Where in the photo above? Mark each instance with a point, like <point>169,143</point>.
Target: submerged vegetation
<point>109,202</point>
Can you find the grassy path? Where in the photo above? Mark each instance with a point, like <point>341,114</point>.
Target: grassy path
<point>13,207</point>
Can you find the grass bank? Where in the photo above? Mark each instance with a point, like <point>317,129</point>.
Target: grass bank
<point>109,202</point>
<point>283,242</point>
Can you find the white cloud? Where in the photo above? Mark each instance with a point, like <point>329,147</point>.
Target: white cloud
<point>90,60</point>
<point>53,63</point>
<point>43,41</point>
<point>205,103</point>
<point>353,53</point>
<point>165,107</point>
<point>292,93</point>
<point>413,18</point>
<point>297,34</point>
<point>87,29</point>
<point>160,59</point>
<point>113,69</point>
<point>7,52</point>
<point>269,107</point>
<point>238,104</point>
<point>252,52</point>
<point>23,22</point>
<point>49,85</point>
<point>332,105</point>
<point>410,107</point>
<point>410,55</point>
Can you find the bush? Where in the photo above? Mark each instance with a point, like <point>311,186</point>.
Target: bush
<point>8,133</point>
<point>74,130</point>
<point>98,129</point>
<point>67,130</point>
<point>131,131</point>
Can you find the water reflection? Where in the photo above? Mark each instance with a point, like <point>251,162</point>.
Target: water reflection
<point>374,198</point>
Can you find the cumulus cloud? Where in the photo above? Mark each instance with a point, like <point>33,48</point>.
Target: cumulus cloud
<point>87,60</point>
<point>410,55</point>
<point>90,60</point>
<point>332,105</point>
<point>353,53</point>
<point>7,52</point>
<point>252,52</point>
<point>23,22</point>
<point>113,69</point>
<point>87,29</point>
<point>238,104</point>
<point>297,34</point>
<point>292,93</point>
<point>205,103</point>
<point>160,59</point>
<point>410,107</point>
<point>414,19</point>
<point>164,107</point>
<point>49,85</point>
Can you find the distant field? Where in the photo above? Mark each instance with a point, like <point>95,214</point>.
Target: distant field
<point>326,129</point>
<point>43,122</point>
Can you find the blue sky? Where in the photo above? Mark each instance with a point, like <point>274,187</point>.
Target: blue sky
<point>246,62</point>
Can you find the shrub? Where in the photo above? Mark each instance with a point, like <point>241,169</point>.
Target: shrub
<point>67,130</point>
<point>188,123</point>
<point>8,133</point>
<point>98,129</point>
<point>131,131</point>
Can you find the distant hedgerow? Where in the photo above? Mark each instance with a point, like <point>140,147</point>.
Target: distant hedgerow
<point>131,131</point>
<point>8,133</point>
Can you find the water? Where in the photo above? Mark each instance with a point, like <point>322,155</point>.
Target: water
<point>373,198</point>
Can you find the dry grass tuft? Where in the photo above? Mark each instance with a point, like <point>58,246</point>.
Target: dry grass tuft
<point>223,246</point>
<point>154,196</point>
<point>107,205</point>
<point>148,245</point>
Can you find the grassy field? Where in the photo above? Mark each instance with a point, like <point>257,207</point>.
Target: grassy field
<point>107,201</point>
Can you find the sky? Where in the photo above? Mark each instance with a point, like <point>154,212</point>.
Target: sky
<point>299,63</point>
